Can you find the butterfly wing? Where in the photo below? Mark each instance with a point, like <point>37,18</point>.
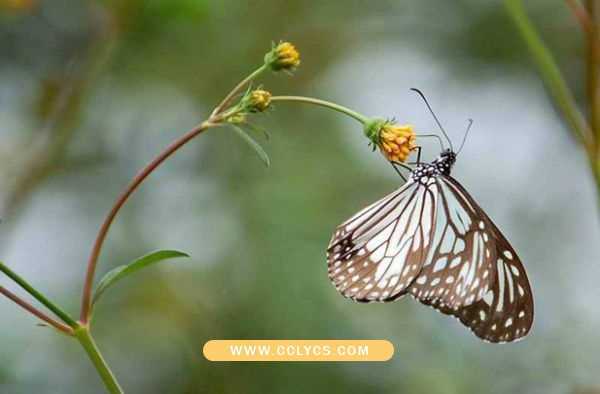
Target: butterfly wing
<point>473,273</point>
<point>376,254</point>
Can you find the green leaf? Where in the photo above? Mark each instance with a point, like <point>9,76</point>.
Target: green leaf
<point>120,272</point>
<point>253,144</point>
<point>259,130</point>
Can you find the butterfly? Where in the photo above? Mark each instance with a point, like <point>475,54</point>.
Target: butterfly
<point>430,239</point>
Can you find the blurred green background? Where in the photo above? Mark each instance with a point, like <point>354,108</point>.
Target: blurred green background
<point>90,91</point>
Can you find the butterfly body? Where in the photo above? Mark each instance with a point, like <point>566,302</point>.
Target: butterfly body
<point>442,165</point>
<point>431,240</point>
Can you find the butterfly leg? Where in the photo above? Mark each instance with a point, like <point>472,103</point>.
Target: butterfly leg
<point>398,171</point>
<point>418,149</point>
<point>396,164</point>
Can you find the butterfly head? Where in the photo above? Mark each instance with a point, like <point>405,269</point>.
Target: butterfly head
<point>445,161</point>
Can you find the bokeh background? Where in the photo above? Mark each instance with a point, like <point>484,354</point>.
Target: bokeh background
<point>90,91</point>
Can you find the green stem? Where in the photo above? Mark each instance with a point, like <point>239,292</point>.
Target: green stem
<point>84,336</point>
<point>550,73</point>
<point>238,89</point>
<point>38,296</point>
<point>327,104</point>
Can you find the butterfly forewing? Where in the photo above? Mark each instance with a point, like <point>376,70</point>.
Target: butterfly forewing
<point>376,254</point>
<point>473,273</point>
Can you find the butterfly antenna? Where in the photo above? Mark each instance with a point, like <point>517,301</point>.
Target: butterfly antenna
<point>465,137</point>
<point>434,117</point>
<point>437,137</point>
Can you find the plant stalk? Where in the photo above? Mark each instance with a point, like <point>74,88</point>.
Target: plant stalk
<point>588,134</point>
<point>84,336</point>
<point>581,14</point>
<point>593,78</point>
<point>86,300</point>
<point>550,73</point>
<point>36,312</point>
<point>327,104</point>
<point>593,67</point>
<point>38,296</point>
<point>220,113</point>
<point>223,104</point>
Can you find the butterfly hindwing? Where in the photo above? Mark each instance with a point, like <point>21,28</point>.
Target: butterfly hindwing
<point>487,287</point>
<point>506,312</point>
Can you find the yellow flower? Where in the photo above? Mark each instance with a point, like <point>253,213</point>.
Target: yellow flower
<point>258,100</point>
<point>283,57</point>
<point>396,141</point>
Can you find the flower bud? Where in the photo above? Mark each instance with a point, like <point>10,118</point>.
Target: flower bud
<point>284,56</point>
<point>257,101</point>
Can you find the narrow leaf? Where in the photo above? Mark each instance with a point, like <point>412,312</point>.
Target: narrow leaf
<point>253,144</point>
<point>120,272</point>
<point>259,130</point>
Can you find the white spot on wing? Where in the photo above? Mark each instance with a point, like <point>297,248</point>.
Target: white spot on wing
<point>440,264</point>
<point>488,297</point>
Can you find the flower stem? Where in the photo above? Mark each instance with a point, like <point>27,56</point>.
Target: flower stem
<point>593,67</point>
<point>593,78</point>
<point>586,133</point>
<point>581,14</point>
<point>38,296</point>
<point>220,113</point>
<point>223,104</point>
<point>550,73</point>
<point>36,312</point>
<point>86,299</point>
<point>327,104</point>
<point>84,336</point>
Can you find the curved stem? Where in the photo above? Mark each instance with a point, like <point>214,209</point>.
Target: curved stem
<point>593,68</point>
<point>327,104</point>
<point>86,299</point>
<point>64,316</point>
<point>586,133</point>
<point>218,115</point>
<point>593,79</point>
<point>550,73</point>
<point>84,336</point>
<point>581,14</point>
<point>36,312</point>
<point>223,104</point>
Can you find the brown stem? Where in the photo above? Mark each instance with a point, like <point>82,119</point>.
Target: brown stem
<point>593,68</point>
<point>36,312</point>
<point>581,14</point>
<point>86,299</point>
<point>217,116</point>
<point>593,82</point>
